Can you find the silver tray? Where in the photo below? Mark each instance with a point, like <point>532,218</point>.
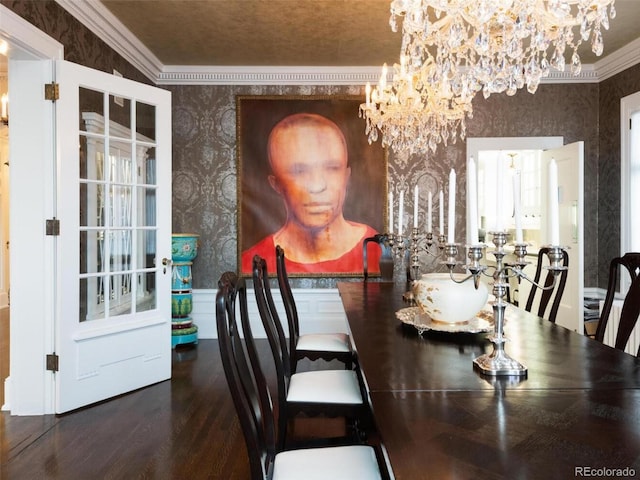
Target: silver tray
<point>481,323</point>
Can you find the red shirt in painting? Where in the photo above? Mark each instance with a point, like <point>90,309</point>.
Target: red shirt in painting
<point>350,262</point>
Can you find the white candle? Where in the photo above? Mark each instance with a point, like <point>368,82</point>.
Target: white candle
<point>472,191</point>
<point>499,193</point>
<point>441,216</point>
<point>383,78</point>
<point>400,212</point>
<point>368,92</point>
<point>516,206</point>
<point>553,213</point>
<point>451,225</point>
<point>415,207</point>
<point>429,213</point>
<point>4,100</point>
<point>391,212</point>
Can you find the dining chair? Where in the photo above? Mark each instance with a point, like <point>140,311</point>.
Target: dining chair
<point>254,406</point>
<point>330,393</point>
<point>547,293</point>
<point>631,303</point>
<point>386,256</point>
<point>313,346</point>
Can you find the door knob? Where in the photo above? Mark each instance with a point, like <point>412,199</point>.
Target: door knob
<point>165,261</point>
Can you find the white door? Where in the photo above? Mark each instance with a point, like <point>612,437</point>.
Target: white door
<point>113,318</point>
<point>570,160</point>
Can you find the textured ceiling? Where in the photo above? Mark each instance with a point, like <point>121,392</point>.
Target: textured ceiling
<point>262,32</point>
<point>292,32</point>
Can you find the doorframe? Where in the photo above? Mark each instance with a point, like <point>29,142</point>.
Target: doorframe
<point>29,390</point>
<point>628,106</point>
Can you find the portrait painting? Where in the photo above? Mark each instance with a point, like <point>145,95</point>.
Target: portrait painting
<point>310,182</point>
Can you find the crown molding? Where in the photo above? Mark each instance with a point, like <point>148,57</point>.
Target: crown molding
<point>97,18</point>
<point>618,61</point>
<point>588,74</point>
<point>261,75</point>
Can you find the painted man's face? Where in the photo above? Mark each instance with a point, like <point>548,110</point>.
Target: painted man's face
<point>310,172</point>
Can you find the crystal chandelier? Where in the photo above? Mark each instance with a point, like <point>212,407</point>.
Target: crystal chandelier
<point>452,49</point>
<point>499,45</point>
<point>413,113</point>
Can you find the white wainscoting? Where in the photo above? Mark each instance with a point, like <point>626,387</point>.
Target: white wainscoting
<point>319,310</point>
<point>611,331</point>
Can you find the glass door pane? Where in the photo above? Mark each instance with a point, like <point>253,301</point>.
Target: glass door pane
<point>118,206</point>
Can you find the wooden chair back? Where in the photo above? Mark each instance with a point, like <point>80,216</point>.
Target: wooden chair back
<point>631,306</point>
<point>244,376</point>
<point>548,295</point>
<point>386,257</point>
<point>291,310</point>
<point>293,321</point>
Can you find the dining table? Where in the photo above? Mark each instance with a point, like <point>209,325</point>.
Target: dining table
<point>576,412</point>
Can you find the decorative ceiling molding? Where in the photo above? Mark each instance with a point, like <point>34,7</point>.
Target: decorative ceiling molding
<point>258,75</point>
<point>618,61</point>
<point>97,18</point>
<point>248,75</point>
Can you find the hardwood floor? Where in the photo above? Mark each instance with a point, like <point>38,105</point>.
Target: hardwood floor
<point>185,428</point>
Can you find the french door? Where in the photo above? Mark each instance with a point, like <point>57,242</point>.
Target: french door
<point>113,330</point>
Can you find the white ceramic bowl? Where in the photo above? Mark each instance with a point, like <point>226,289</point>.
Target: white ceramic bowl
<point>447,301</point>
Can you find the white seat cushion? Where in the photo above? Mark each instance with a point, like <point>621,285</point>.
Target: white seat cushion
<point>330,463</point>
<point>329,342</point>
<point>325,386</point>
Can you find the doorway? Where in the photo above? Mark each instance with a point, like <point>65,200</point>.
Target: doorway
<point>30,54</point>
<point>534,153</point>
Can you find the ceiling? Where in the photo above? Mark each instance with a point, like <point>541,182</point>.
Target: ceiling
<point>262,32</point>
<point>246,41</point>
<point>292,32</point>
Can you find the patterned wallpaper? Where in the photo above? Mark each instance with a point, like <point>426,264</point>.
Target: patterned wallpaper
<point>204,159</point>
<point>608,228</point>
<point>204,154</point>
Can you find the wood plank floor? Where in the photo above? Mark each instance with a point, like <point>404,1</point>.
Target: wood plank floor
<point>185,428</point>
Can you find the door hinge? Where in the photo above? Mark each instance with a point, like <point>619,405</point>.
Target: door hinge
<point>52,91</point>
<point>52,362</point>
<point>53,226</point>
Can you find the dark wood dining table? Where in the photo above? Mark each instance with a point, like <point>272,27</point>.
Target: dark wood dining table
<point>576,413</point>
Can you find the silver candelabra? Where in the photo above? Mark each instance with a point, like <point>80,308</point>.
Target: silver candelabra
<point>427,244</point>
<point>498,362</point>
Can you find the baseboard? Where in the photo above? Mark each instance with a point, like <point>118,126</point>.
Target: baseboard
<point>319,310</point>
